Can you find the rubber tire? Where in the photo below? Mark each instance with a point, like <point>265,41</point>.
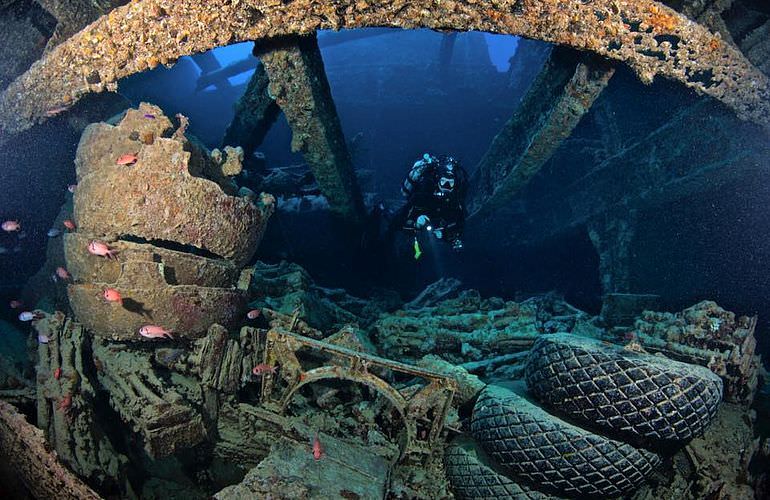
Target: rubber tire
<point>557,457</point>
<point>649,399</point>
<point>472,475</point>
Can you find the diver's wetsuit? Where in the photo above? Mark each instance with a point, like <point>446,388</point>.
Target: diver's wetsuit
<point>435,187</point>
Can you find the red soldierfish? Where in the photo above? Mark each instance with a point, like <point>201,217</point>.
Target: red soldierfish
<point>253,314</point>
<point>263,368</point>
<point>63,273</point>
<point>154,332</point>
<point>112,295</point>
<point>317,450</point>
<point>65,403</point>
<point>57,373</point>
<point>16,304</point>
<point>127,159</point>
<point>69,224</point>
<point>101,249</point>
<point>50,113</point>
<point>10,226</point>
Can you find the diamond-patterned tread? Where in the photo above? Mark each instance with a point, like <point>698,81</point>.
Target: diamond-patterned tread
<point>558,457</point>
<point>628,393</point>
<point>473,477</point>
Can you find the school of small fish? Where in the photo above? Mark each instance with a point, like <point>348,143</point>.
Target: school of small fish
<point>100,249</point>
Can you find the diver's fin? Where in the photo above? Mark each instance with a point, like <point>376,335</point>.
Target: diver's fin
<point>417,250</point>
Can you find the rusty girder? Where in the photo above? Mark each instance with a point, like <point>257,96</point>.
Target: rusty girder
<point>650,37</point>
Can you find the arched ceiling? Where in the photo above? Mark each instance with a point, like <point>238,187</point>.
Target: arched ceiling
<point>652,39</point>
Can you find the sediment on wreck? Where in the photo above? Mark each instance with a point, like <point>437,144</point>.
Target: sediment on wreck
<point>203,396</point>
<point>470,329</point>
<point>707,335</point>
<point>164,418</point>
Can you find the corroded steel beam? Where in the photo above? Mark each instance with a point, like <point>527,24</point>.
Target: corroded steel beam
<point>652,39</point>
<point>563,92</point>
<point>299,86</point>
<point>27,458</point>
<point>208,63</point>
<point>219,77</point>
<point>255,113</point>
<point>699,149</point>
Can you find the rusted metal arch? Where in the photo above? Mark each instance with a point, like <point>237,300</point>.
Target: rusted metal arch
<point>369,380</point>
<point>281,348</point>
<point>650,37</point>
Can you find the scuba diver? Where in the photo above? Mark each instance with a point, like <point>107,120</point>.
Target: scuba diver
<point>435,189</point>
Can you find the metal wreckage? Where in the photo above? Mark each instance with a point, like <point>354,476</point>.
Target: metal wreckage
<point>409,400</point>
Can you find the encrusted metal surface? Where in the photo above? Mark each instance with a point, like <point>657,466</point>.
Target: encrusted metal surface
<point>186,310</point>
<point>158,197</point>
<point>27,455</point>
<point>179,268</point>
<point>299,86</point>
<point>650,37</point>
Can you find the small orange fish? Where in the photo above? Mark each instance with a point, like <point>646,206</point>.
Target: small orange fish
<point>263,368</point>
<point>57,373</point>
<point>317,450</point>
<point>101,249</point>
<point>10,226</point>
<point>154,332</point>
<point>71,188</point>
<point>69,224</point>
<point>253,314</point>
<point>16,304</point>
<point>65,403</point>
<point>127,159</point>
<point>63,273</point>
<point>112,295</point>
<point>56,111</point>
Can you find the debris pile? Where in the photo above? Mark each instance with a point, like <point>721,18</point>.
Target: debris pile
<point>707,335</point>
<point>469,329</point>
<point>314,379</point>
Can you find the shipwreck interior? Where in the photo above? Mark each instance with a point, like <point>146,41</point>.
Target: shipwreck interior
<point>235,160</point>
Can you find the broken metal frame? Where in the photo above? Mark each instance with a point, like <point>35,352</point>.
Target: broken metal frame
<point>435,398</point>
